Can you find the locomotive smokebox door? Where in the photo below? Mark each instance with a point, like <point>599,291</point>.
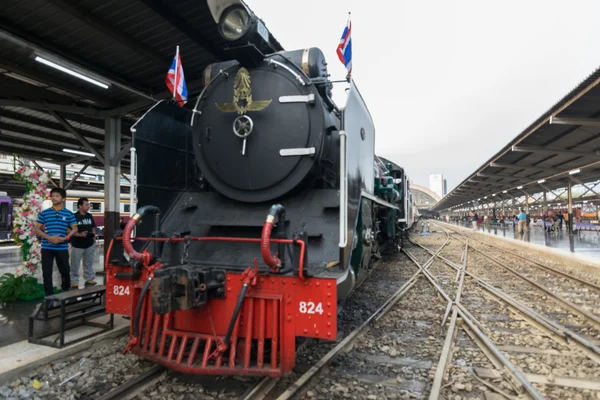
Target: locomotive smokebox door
<point>182,288</point>
<point>266,134</point>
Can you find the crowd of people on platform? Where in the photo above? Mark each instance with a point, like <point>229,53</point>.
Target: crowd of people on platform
<point>552,220</point>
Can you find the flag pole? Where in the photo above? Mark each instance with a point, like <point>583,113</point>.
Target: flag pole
<point>176,70</point>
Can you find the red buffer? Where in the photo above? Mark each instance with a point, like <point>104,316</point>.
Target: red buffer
<point>261,340</point>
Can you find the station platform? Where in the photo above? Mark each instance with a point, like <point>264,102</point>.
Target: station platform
<point>584,245</point>
<point>18,355</point>
<point>14,316</point>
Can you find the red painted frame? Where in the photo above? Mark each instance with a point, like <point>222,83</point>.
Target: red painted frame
<point>276,310</point>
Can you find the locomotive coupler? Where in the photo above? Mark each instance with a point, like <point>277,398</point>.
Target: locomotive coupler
<point>185,287</point>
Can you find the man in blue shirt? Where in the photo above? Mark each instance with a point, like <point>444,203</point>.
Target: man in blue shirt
<point>522,224</point>
<point>55,240</point>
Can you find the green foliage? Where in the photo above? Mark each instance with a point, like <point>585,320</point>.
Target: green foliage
<point>11,287</point>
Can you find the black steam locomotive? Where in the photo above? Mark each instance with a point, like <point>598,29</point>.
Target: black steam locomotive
<point>273,208</point>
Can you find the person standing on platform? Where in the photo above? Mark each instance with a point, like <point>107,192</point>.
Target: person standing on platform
<point>55,240</point>
<point>474,219</point>
<point>83,245</point>
<point>522,224</point>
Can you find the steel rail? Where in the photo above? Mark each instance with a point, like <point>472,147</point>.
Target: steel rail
<point>503,296</point>
<point>515,374</point>
<point>130,388</point>
<point>566,303</point>
<point>380,312</point>
<point>552,327</point>
<point>546,267</point>
<point>445,357</point>
<point>261,390</point>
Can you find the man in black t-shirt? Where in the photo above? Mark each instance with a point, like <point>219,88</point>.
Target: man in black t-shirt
<point>83,245</point>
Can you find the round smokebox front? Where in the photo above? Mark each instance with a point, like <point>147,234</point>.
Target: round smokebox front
<point>243,128</point>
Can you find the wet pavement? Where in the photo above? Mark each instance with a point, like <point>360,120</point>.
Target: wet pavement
<point>14,316</point>
<point>584,243</point>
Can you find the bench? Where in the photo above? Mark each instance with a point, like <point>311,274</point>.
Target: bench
<point>584,226</point>
<point>73,308</point>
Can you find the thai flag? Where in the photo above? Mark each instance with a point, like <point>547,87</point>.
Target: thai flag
<point>176,81</point>
<point>344,49</point>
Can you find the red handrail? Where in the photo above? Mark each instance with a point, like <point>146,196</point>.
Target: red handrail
<point>231,239</point>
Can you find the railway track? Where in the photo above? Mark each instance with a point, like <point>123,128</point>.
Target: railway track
<point>557,358</point>
<point>136,385</point>
<point>494,344</point>
<point>460,324</point>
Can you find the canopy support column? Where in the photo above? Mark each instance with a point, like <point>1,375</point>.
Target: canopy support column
<point>112,184</point>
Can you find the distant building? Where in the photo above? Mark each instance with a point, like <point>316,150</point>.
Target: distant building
<point>437,184</point>
<point>445,187</point>
<point>423,197</point>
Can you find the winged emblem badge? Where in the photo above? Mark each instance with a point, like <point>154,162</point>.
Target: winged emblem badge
<point>242,96</point>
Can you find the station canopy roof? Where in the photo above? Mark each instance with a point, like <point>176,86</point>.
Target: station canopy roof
<point>125,46</point>
<point>562,144</point>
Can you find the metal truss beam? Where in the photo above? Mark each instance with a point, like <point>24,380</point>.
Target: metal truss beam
<point>29,151</point>
<point>37,127</point>
<point>36,137</point>
<point>537,149</point>
<point>528,167</point>
<point>52,181</point>
<point>122,153</point>
<point>88,112</point>
<point>81,139</point>
<point>74,178</point>
<point>500,176</point>
<point>582,184</point>
<point>574,121</point>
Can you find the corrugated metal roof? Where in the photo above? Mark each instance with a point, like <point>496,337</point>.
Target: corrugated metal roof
<point>129,42</point>
<point>542,151</point>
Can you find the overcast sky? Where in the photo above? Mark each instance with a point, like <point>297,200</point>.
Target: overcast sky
<point>448,83</point>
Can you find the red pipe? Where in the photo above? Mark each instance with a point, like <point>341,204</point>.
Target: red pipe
<point>233,239</point>
<point>277,210</point>
<point>265,245</point>
<point>127,238</point>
